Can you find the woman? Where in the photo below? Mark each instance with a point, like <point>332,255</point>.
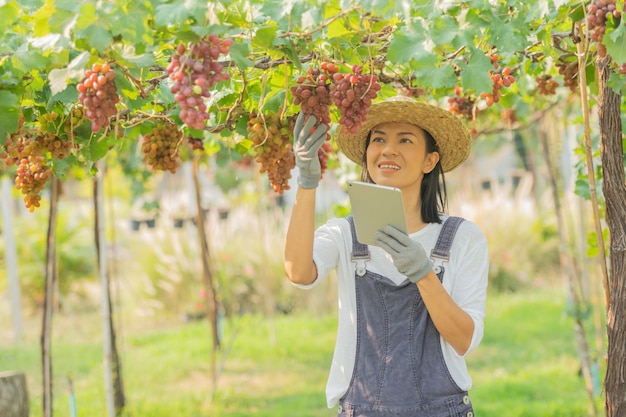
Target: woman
<point>406,324</point>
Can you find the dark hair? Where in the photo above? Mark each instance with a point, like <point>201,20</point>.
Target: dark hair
<point>433,192</point>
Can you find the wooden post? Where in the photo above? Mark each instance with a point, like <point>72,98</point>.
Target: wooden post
<point>13,394</point>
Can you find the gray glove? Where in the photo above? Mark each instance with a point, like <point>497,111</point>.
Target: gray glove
<point>408,256</point>
<point>305,147</point>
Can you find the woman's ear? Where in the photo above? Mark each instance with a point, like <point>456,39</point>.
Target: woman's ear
<point>431,162</point>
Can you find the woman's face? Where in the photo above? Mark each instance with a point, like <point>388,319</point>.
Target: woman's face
<point>396,155</point>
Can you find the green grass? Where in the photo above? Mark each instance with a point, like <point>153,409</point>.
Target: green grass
<point>526,366</point>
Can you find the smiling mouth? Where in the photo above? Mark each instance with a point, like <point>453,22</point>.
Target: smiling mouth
<point>388,166</point>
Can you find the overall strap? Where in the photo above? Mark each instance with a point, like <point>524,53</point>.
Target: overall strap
<point>360,252</point>
<point>446,236</point>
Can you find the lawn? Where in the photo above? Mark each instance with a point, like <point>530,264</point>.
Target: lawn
<point>526,366</point>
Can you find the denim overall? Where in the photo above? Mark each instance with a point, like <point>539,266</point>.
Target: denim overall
<point>399,368</point>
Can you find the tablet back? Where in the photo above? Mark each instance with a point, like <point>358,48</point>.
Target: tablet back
<point>373,207</point>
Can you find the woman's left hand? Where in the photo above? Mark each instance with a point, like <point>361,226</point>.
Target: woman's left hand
<point>408,256</point>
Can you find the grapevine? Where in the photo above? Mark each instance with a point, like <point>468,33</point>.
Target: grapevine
<point>271,136</point>
<point>98,93</point>
<point>353,93</point>
<point>194,70</point>
<point>160,147</point>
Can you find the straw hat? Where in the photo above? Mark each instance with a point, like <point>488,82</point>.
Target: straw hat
<point>450,133</point>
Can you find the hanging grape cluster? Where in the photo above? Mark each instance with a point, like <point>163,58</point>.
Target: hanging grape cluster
<point>98,93</point>
<point>546,85</point>
<point>272,136</point>
<point>56,132</point>
<point>312,92</point>
<point>160,147</point>
<point>500,79</point>
<point>569,70</point>
<point>194,70</point>
<point>353,93</point>
<point>32,174</point>
<point>598,12</point>
<point>461,105</point>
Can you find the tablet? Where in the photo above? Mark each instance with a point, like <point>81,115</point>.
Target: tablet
<point>373,207</point>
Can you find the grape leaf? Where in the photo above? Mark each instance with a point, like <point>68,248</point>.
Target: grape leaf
<point>9,114</point>
<point>93,27</point>
<point>475,73</point>
<point>239,52</point>
<point>59,77</point>
<point>615,42</point>
<point>9,13</point>
<point>177,13</point>
<point>264,36</point>
<point>406,46</point>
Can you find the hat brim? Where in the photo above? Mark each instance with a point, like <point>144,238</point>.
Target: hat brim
<point>450,133</point>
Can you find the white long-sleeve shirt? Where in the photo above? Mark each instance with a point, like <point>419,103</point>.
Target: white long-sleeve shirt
<point>465,279</point>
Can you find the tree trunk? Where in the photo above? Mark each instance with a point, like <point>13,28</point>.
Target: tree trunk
<point>567,263</point>
<point>119,397</point>
<point>13,395</point>
<point>48,301</point>
<point>614,188</point>
<point>207,273</point>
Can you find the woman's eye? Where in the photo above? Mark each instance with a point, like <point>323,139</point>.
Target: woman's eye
<point>406,140</point>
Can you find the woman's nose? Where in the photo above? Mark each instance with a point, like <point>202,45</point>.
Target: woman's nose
<point>389,149</point>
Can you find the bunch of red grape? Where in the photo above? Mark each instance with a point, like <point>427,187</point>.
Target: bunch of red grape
<point>271,136</point>
<point>194,70</point>
<point>353,93</point>
<point>98,93</point>
<point>598,12</point>
<point>160,147</point>
<point>461,105</point>
<point>502,79</point>
<point>312,92</point>
<point>569,70</point>
<point>547,85</point>
<point>323,154</point>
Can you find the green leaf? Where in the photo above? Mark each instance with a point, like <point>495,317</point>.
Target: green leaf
<point>436,78</point>
<point>9,13</point>
<point>239,52</point>
<point>615,42</point>
<point>127,55</point>
<point>264,36</point>
<point>93,27</point>
<point>177,12</point>
<point>97,149</point>
<point>444,30</point>
<point>60,78</point>
<point>27,59</point>
<point>337,29</point>
<point>406,46</point>
<point>475,75</point>
<point>9,114</point>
